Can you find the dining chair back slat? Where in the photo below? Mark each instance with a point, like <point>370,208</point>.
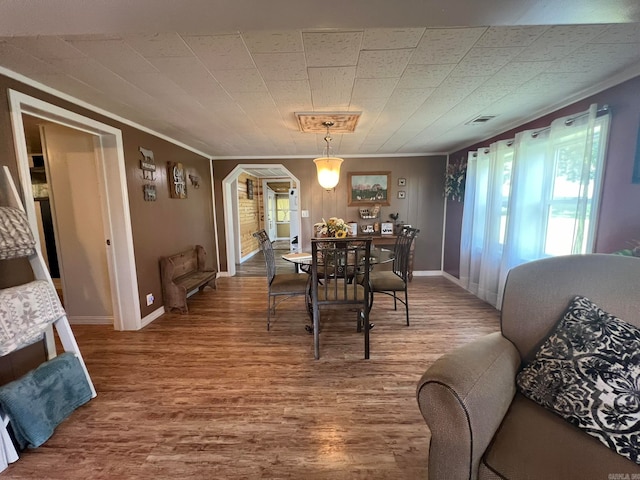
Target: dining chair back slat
<point>279,284</point>
<point>391,282</point>
<point>335,266</point>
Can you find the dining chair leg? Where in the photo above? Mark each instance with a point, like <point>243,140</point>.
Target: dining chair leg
<point>406,305</point>
<point>366,334</point>
<point>316,332</point>
<point>395,301</point>
<point>269,298</point>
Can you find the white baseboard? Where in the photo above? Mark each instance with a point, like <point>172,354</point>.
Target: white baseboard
<point>151,317</point>
<point>248,256</point>
<point>427,273</point>
<point>84,320</point>
<point>451,278</point>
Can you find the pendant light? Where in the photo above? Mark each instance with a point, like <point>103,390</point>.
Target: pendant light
<point>328,167</point>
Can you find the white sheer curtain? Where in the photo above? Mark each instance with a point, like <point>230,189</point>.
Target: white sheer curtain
<point>529,198</point>
<point>484,219</point>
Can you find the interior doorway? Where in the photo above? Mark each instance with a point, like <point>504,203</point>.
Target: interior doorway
<point>117,238</point>
<point>64,178</point>
<point>231,208</point>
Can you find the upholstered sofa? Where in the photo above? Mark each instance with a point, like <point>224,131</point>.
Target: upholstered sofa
<point>481,425</point>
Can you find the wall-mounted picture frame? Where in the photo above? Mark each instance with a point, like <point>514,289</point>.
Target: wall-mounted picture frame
<point>402,194</point>
<point>366,188</point>
<point>250,189</point>
<point>402,182</point>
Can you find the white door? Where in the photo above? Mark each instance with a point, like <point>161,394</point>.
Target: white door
<point>72,175</point>
<point>271,214</point>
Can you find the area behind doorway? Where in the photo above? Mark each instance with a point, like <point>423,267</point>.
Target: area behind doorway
<point>64,178</point>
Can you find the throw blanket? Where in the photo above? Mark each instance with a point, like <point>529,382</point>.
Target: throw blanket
<point>16,239</point>
<point>25,313</point>
<point>37,402</point>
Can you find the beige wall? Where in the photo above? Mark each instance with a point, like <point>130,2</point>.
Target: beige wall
<point>423,206</point>
<point>74,186</point>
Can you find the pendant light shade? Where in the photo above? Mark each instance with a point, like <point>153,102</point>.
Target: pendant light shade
<point>328,171</point>
<point>328,167</point>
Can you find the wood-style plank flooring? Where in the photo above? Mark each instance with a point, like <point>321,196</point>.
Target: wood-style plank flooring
<point>255,267</point>
<point>213,395</point>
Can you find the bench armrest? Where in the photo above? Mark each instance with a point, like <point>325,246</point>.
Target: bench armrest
<point>463,398</point>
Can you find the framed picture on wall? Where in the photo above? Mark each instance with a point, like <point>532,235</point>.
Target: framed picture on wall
<point>250,189</point>
<point>365,188</point>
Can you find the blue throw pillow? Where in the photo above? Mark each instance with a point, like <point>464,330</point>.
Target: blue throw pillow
<point>37,402</point>
<point>588,372</point>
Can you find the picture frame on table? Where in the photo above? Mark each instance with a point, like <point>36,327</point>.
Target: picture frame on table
<point>366,188</point>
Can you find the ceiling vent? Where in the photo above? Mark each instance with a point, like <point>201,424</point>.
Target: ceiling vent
<point>480,119</point>
<point>316,122</point>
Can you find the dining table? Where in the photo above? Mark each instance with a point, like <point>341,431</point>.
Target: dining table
<point>303,260</point>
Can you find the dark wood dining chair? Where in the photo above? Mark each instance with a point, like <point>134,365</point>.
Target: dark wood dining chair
<point>335,264</point>
<point>284,285</point>
<point>396,280</point>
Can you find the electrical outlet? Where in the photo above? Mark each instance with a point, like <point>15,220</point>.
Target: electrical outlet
<point>305,213</point>
<point>150,299</point>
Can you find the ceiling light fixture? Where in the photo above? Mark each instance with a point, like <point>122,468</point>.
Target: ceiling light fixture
<point>328,167</point>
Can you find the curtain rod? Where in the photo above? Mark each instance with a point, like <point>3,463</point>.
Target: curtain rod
<point>601,111</point>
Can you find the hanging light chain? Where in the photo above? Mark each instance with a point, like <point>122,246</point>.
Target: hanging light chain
<point>328,138</point>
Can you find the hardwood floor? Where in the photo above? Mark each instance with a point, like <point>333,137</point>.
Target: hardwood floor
<point>213,395</point>
<point>254,267</point>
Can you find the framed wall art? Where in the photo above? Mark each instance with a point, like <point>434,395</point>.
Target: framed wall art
<point>365,188</point>
<point>250,189</point>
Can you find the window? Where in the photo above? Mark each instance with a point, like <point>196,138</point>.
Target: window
<point>282,208</point>
<point>576,173</point>
<point>531,197</point>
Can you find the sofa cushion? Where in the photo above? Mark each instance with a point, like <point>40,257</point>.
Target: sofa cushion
<point>534,443</point>
<point>588,372</point>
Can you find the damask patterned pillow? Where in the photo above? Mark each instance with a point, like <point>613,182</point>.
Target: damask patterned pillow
<point>588,372</point>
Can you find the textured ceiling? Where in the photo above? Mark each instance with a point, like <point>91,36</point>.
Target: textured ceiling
<point>231,87</point>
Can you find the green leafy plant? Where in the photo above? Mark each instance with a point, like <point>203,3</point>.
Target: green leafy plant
<point>454,181</point>
<point>634,251</point>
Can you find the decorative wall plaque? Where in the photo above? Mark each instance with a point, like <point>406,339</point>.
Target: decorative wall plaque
<point>147,164</point>
<point>250,189</point>
<point>177,180</point>
<point>149,193</point>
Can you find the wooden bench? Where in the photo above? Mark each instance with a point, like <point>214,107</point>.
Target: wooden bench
<point>181,273</point>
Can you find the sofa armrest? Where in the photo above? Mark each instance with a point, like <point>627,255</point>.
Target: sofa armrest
<point>463,397</point>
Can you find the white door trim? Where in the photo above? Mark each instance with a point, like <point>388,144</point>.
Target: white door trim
<point>231,207</point>
<point>120,254</point>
